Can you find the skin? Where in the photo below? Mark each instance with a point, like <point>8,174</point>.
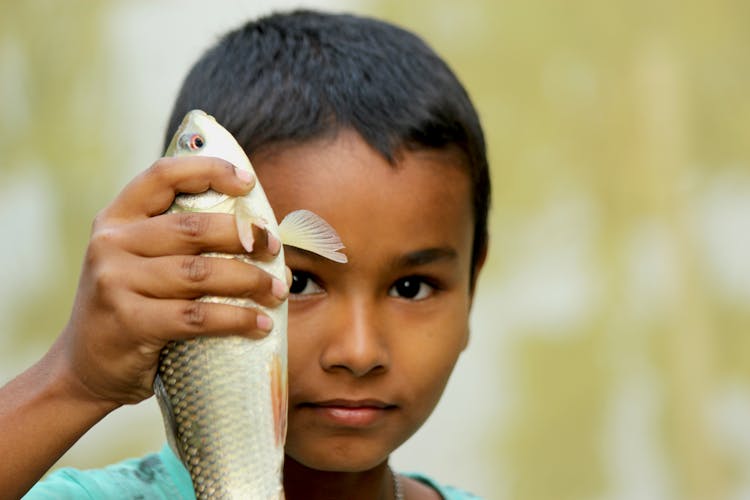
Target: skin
<point>356,331</point>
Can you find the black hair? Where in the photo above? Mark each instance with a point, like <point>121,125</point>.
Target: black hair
<point>302,75</point>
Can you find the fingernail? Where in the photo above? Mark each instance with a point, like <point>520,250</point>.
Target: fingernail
<point>274,244</point>
<point>289,277</point>
<point>264,322</point>
<point>247,240</point>
<point>244,175</point>
<point>279,289</point>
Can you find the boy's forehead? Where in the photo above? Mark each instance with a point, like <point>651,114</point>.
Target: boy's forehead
<point>330,168</point>
<point>421,201</point>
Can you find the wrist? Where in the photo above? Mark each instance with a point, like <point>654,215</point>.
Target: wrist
<point>43,412</point>
<point>64,384</point>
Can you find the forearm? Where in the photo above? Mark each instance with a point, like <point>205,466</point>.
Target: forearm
<point>42,414</point>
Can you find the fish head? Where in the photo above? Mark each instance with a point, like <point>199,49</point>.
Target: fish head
<point>200,134</point>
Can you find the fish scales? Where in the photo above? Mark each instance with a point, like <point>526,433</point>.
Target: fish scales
<point>217,404</point>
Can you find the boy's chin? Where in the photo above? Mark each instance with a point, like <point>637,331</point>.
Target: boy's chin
<point>339,460</point>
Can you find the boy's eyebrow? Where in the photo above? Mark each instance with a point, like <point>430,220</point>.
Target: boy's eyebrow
<point>425,256</point>
<point>411,259</point>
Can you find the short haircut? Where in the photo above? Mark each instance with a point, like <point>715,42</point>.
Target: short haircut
<point>299,76</point>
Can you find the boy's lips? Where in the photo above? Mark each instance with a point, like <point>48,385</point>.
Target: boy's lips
<point>349,412</point>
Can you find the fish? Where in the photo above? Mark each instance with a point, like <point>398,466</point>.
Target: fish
<point>224,400</point>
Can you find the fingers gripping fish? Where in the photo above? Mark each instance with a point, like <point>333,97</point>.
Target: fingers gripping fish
<point>224,399</point>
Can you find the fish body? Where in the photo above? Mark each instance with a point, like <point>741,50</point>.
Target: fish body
<point>224,400</point>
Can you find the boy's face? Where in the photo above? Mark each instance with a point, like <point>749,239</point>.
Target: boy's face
<point>371,342</point>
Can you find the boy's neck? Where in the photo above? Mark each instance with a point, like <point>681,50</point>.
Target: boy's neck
<point>301,482</point>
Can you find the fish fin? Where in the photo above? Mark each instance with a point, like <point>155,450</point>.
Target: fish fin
<point>303,229</point>
<point>278,400</point>
<point>168,415</point>
<point>244,219</point>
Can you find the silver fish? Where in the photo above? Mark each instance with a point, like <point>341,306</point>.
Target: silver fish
<point>224,400</point>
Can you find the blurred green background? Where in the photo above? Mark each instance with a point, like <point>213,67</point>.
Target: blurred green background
<point>610,356</point>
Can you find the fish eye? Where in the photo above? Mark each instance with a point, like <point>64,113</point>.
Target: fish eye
<point>196,142</point>
<point>191,142</point>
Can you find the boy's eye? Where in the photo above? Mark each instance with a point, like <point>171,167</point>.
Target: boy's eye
<point>303,284</point>
<point>412,287</point>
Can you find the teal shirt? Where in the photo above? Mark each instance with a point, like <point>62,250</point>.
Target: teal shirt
<point>153,477</point>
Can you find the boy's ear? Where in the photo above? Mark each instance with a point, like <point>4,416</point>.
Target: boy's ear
<point>481,257</point>
<point>478,265</point>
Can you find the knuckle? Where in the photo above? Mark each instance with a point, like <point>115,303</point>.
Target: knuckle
<point>253,283</point>
<point>100,221</point>
<point>196,268</point>
<point>244,319</point>
<point>223,166</point>
<point>259,289</point>
<point>103,237</point>
<point>106,279</point>
<point>192,225</point>
<point>125,314</point>
<point>194,314</point>
<point>160,169</point>
<point>100,244</point>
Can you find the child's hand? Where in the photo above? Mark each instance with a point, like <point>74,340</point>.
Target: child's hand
<point>142,271</point>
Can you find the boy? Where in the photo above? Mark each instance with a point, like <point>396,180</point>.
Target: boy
<point>355,120</point>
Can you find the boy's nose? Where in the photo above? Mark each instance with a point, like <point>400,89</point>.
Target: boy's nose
<point>356,342</point>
